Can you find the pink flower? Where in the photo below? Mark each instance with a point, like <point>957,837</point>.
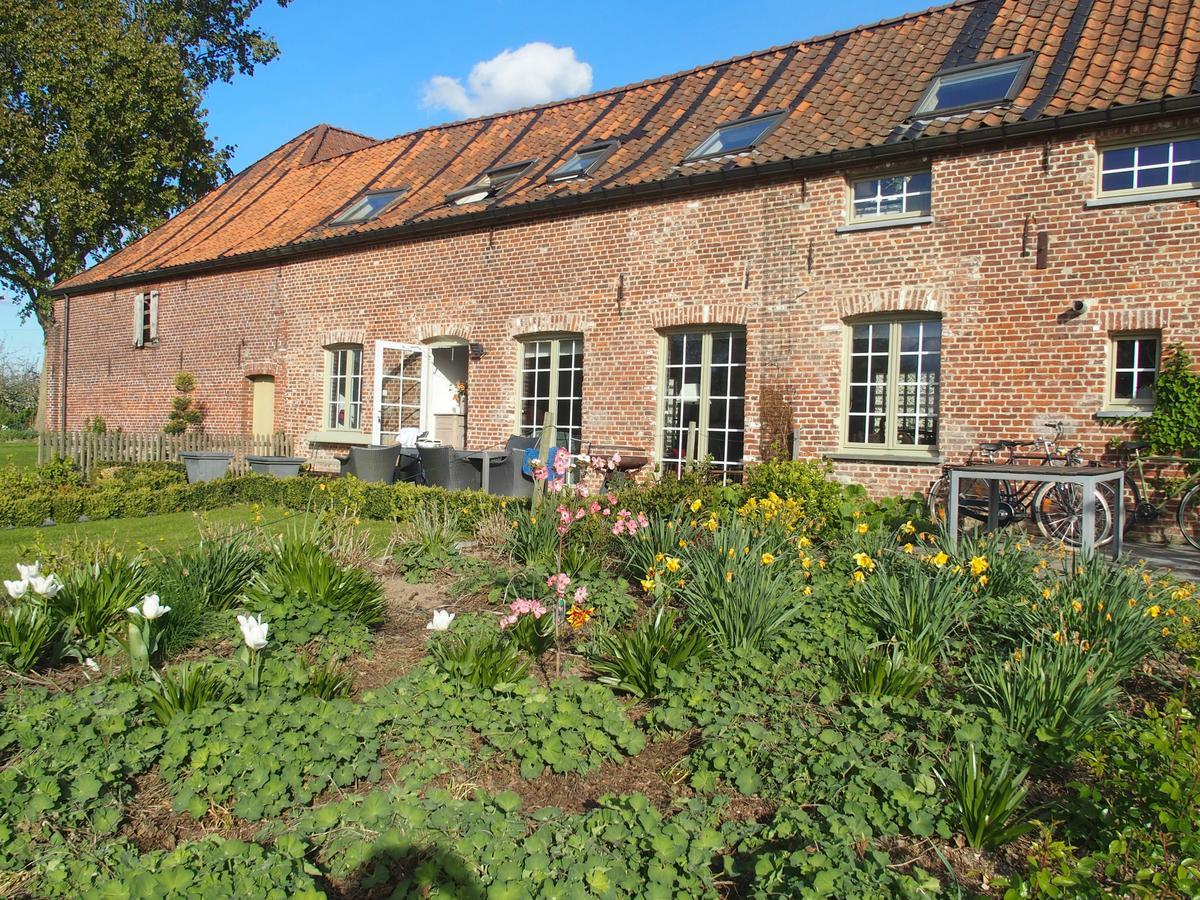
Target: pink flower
<point>612,499</point>
<point>562,461</point>
<point>579,514</point>
<point>555,486</point>
<point>593,507</point>
<point>581,594</point>
<point>540,472</point>
<point>582,490</point>
<point>643,521</point>
<point>558,583</point>
<point>618,527</point>
<point>615,461</point>
<point>607,511</point>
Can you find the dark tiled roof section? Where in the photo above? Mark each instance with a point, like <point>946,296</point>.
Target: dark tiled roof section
<point>850,90</point>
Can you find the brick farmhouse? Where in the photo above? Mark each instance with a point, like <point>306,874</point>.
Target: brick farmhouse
<point>896,240</point>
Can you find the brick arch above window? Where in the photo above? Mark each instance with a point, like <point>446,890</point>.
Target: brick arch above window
<point>703,314</point>
<point>548,323</point>
<point>256,368</point>
<point>460,330</point>
<point>1137,319</point>
<point>890,300</point>
<point>341,336</point>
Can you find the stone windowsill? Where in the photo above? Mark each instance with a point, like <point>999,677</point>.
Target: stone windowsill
<point>886,458</point>
<point>345,438</point>
<point>1123,413</point>
<point>883,223</point>
<point>1146,197</point>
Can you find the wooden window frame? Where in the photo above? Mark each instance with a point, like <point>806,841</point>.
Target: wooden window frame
<point>1143,141</point>
<point>1111,400</point>
<point>854,219</point>
<point>890,447</point>
<point>555,339</point>
<point>328,421</point>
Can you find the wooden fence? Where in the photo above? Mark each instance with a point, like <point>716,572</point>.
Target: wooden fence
<point>89,449</point>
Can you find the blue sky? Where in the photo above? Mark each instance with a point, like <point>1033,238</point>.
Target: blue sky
<point>383,67</point>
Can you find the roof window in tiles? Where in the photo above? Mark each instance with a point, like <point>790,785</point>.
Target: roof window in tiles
<point>584,161</point>
<point>736,137</point>
<point>490,184</point>
<point>368,207</point>
<point>978,86</point>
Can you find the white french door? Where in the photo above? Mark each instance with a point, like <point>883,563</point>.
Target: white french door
<point>400,378</point>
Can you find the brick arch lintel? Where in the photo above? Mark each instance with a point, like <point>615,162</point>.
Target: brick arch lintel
<point>1146,318</point>
<point>460,330</point>
<point>342,336</point>
<point>538,323</point>
<point>702,314</point>
<point>902,299</point>
<point>254,368</point>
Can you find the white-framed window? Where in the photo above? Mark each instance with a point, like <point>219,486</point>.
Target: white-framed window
<point>1133,368</point>
<point>892,385</point>
<point>343,387</point>
<point>145,318</point>
<point>551,378</point>
<point>1150,166</point>
<point>703,389</point>
<point>368,207</point>
<point>891,196</point>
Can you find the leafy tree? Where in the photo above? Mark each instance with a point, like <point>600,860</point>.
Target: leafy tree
<point>18,389</point>
<point>102,132</point>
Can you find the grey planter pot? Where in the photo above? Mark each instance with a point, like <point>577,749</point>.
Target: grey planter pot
<point>205,465</point>
<point>276,466</point>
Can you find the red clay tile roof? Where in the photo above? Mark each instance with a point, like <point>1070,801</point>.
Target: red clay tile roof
<point>846,94</point>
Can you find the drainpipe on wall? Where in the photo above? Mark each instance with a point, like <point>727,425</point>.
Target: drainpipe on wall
<point>65,343</point>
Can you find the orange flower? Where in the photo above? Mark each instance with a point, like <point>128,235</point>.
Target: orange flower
<point>578,616</point>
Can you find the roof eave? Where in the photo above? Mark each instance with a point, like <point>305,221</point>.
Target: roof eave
<point>996,134</point>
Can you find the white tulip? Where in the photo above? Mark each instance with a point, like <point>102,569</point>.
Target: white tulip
<point>150,609</point>
<point>29,572</point>
<point>91,664</point>
<point>45,586</point>
<point>16,589</point>
<point>254,631</point>
<point>441,621</point>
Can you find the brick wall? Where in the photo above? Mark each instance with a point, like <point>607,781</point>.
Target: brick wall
<point>766,257</point>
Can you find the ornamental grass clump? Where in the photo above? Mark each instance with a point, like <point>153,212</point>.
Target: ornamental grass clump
<point>987,799</point>
<point>186,688</point>
<point>427,542</point>
<point>916,605</point>
<point>1052,693</point>
<point>30,634</point>
<point>480,658</point>
<point>739,591</point>
<point>882,670</point>
<point>636,661</point>
<point>96,595</point>
<point>329,680</point>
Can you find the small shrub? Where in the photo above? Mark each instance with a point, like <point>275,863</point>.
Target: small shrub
<point>427,542</point>
<point>1051,694</point>
<point>29,634</point>
<point>329,680</point>
<point>806,482</point>
<point>534,540</point>
<point>96,595</point>
<point>883,671</point>
<point>530,626</point>
<point>483,659</point>
<point>185,689</point>
<point>185,412</point>
<point>986,799</point>
<point>635,661</point>
<point>915,605</point>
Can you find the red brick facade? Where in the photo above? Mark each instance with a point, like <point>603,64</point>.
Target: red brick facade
<point>765,256</point>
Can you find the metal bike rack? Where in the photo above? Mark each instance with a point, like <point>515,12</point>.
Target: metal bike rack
<point>1089,478</point>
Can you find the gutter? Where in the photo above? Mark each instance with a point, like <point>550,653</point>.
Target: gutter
<point>1135,112</point>
<point>65,357</point>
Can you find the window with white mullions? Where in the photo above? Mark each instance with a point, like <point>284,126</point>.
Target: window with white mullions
<point>552,378</point>
<point>1135,369</point>
<point>344,388</point>
<point>892,196</point>
<point>705,386</point>
<point>892,388</point>
<point>1159,166</point>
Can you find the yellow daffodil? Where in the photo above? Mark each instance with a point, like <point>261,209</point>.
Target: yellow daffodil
<point>672,564</point>
<point>939,559</point>
<point>648,585</point>
<point>1166,631</point>
<point>908,548</point>
<point>682,544</point>
<point>767,559</point>
<point>729,576</point>
<point>983,580</point>
<point>808,591</point>
<point>1057,636</point>
<point>711,524</point>
<point>908,528</point>
<point>858,575</point>
<point>862,527</point>
<point>1154,611</point>
<point>979,565</point>
<point>696,504</point>
<point>804,541</point>
<point>1077,606</point>
<point>1046,593</point>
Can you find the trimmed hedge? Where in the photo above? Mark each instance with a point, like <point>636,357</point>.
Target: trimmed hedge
<point>32,501</point>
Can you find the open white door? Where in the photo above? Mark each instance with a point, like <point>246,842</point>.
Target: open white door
<point>400,377</point>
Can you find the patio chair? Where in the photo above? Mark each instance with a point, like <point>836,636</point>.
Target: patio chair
<point>507,478</point>
<point>445,467</point>
<point>387,465</point>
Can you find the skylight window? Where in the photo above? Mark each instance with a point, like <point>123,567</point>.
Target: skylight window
<point>736,137</point>
<point>490,184</point>
<point>978,86</point>
<point>584,161</point>
<point>368,207</point>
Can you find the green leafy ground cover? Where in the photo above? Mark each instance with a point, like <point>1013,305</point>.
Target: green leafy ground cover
<point>862,714</point>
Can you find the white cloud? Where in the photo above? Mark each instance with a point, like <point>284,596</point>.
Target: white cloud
<point>534,73</point>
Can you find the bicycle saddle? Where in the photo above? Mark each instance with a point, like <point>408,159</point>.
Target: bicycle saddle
<point>1131,446</point>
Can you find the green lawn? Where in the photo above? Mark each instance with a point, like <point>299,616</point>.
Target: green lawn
<point>18,453</point>
<point>166,533</point>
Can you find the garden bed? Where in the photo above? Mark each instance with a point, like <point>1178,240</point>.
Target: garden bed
<point>685,691</point>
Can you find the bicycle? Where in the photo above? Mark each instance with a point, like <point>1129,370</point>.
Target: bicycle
<point>1056,509</point>
<point>1143,510</point>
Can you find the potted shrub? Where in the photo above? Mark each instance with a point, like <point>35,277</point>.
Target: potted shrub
<point>205,465</point>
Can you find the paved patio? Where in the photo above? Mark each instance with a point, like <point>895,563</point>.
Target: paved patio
<point>1180,559</point>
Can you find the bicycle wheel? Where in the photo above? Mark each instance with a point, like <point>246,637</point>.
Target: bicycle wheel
<point>972,502</point>
<point>1058,511</point>
<point>1188,516</point>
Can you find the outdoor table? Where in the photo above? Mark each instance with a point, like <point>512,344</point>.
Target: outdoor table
<point>1089,478</point>
<point>486,459</point>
